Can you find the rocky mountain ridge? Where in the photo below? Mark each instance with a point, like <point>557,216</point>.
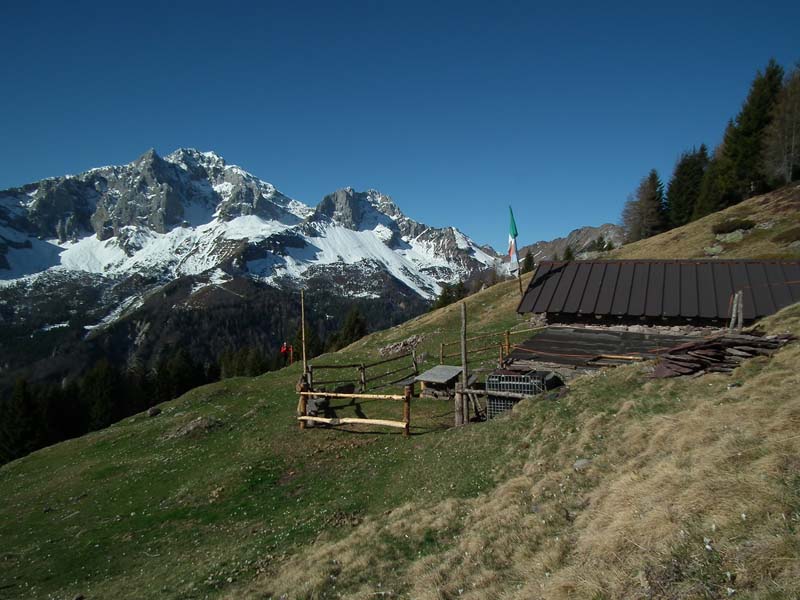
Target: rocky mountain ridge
<point>190,212</point>
<point>129,262</point>
<point>585,242</point>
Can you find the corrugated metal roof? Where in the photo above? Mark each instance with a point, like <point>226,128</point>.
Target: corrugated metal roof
<point>662,288</point>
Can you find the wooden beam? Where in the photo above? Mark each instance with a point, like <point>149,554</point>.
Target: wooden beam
<point>353,421</point>
<point>380,362</point>
<point>362,396</point>
<point>303,401</point>
<point>622,357</point>
<point>382,375</point>
<point>498,394</point>
<point>464,366</point>
<point>303,332</point>
<point>408,392</point>
<point>497,334</point>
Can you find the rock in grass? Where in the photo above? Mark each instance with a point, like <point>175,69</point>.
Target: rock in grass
<point>581,464</point>
<point>153,411</point>
<point>198,426</point>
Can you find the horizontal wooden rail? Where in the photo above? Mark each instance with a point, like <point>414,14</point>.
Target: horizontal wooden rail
<point>497,394</point>
<point>363,396</point>
<point>320,367</point>
<point>496,333</point>
<point>332,381</point>
<point>484,349</point>
<point>354,421</point>
<point>473,351</point>
<point>382,375</point>
<point>387,360</point>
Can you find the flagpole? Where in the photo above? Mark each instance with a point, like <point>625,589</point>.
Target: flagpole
<point>512,243</point>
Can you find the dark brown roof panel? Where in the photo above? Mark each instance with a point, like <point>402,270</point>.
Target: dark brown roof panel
<point>564,287</point>
<point>551,281</point>
<point>760,289</point>
<point>792,274</point>
<point>689,294</point>
<point>623,290</point>
<point>781,295</point>
<point>670,289</point>
<point>597,271</point>
<point>573,303</point>
<point>706,292</point>
<point>723,287</point>
<point>608,285</point>
<point>638,301</point>
<point>655,290</point>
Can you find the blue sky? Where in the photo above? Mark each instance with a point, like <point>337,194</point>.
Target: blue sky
<point>454,109</point>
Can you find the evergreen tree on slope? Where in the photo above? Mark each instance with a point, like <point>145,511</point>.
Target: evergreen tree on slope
<point>684,186</point>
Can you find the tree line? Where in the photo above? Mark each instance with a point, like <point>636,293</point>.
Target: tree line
<point>760,151</point>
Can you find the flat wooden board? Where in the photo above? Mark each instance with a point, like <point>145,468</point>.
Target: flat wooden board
<point>440,374</point>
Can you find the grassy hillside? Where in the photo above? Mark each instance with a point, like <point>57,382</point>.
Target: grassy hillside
<point>777,226</point>
<point>246,505</point>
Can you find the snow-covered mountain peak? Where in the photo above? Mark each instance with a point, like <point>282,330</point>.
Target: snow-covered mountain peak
<point>190,211</point>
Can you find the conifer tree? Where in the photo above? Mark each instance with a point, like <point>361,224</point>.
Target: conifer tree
<point>746,147</point>
<point>527,263</point>
<point>782,151</point>
<point>18,426</point>
<point>644,214</point>
<point>737,170</point>
<point>568,253</point>
<point>101,394</point>
<point>314,344</point>
<point>684,186</point>
<point>353,328</point>
<point>718,188</point>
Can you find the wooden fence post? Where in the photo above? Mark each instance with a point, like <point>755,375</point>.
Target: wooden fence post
<point>408,392</point>
<point>303,328</point>
<point>741,311</point>
<point>734,311</point>
<point>441,353</point>
<point>464,366</point>
<point>414,362</point>
<point>303,403</point>
<point>362,377</point>
<point>458,406</point>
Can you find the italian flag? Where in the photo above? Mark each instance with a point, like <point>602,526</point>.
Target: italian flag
<point>512,241</point>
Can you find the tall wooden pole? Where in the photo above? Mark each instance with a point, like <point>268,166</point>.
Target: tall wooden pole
<point>464,375</point>
<point>303,332</point>
<point>408,391</point>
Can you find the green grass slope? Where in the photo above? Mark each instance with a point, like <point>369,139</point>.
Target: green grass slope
<point>247,505</point>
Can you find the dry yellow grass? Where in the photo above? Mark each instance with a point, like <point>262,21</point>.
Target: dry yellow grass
<point>693,491</point>
<point>775,212</point>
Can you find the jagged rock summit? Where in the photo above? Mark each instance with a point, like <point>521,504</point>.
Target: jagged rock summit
<point>190,212</point>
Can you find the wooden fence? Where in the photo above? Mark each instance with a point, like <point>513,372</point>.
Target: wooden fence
<point>405,424</point>
<point>363,378</point>
<point>503,343</point>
